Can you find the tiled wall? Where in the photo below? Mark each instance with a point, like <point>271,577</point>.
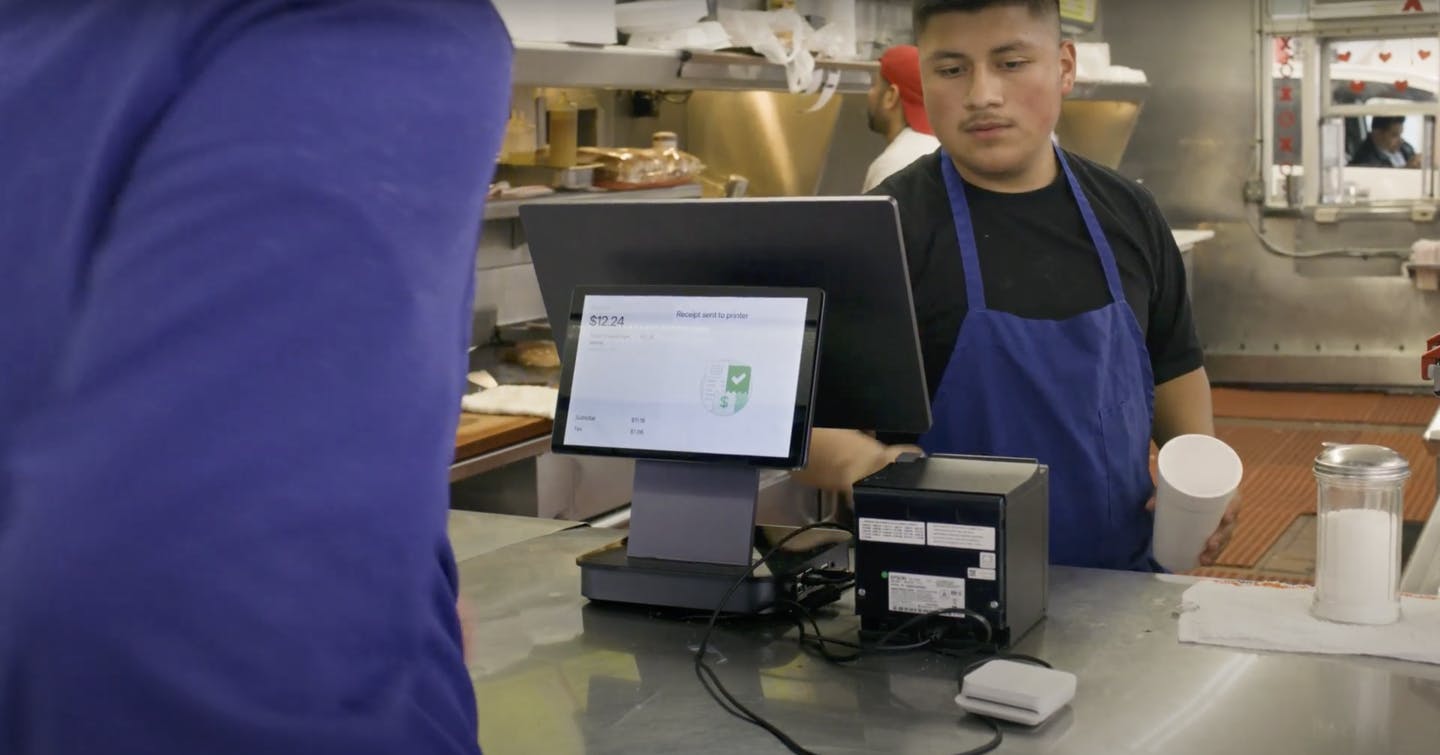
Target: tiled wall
<point>504,277</point>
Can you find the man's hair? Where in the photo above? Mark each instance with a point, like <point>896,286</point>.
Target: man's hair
<point>924,10</point>
<point>1382,122</point>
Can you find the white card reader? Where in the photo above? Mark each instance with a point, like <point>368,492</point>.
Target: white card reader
<point>1014,691</point>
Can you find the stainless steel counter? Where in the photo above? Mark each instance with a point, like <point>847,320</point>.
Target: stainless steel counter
<point>473,534</point>
<point>554,675</point>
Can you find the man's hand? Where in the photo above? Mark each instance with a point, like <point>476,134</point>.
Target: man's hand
<point>1223,533</point>
<point>1414,161</point>
<point>1183,406</point>
<point>840,458</point>
<point>1221,537</point>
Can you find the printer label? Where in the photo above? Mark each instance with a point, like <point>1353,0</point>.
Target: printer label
<point>917,593</point>
<point>985,574</point>
<point>987,560</point>
<point>961,536</point>
<point>892,531</point>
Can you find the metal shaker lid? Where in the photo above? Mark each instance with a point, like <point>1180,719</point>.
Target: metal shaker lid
<point>1362,462</point>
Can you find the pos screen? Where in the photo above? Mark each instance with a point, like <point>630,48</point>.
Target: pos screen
<point>690,373</point>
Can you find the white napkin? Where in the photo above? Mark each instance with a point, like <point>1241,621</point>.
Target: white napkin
<point>515,400</point>
<point>1265,617</point>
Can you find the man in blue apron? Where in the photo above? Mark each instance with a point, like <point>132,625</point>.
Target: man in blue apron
<point>1049,292</point>
<point>236,259</point>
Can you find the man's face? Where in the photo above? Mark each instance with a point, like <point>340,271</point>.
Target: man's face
<point>1390,137</point>
<point>993,83</point>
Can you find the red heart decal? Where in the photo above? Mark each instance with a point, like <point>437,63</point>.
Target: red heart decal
<point>1343,57</point>
<point>1424,54</point>
<point>1401,86</point>
<point>1357,86</point>
<point>1385,57</point>
<point>1282,50</point>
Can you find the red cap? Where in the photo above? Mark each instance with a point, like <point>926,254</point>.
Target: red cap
<point>900,65</point>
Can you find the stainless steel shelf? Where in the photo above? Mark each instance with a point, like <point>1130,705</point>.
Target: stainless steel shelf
<point>1110,91</point>
<point>506,209</point>
<point>619,67</point>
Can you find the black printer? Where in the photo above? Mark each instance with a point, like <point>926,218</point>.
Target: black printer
<point>946,532</point>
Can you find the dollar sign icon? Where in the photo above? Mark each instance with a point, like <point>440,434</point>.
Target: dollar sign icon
<point>725,389</point>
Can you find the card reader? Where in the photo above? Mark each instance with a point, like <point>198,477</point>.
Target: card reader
<point>1014,691</point>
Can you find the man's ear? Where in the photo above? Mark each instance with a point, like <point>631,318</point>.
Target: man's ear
<point>891,98</point>
<point>1067,66</point>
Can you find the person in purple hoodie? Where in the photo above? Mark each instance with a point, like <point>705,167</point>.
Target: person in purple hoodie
<point>236,265</point>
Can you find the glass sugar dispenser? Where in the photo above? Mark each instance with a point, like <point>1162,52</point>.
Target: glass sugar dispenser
<point>1360,504</point>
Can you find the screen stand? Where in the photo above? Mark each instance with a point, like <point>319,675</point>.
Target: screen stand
<point>692,535</point>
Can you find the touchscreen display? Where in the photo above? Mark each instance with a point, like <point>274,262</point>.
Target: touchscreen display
<point>687,374</point>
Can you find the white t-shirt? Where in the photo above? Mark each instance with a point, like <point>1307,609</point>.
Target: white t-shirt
<point>908,147</point>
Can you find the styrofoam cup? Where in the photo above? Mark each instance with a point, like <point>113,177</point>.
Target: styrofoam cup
<point>1198,477</point>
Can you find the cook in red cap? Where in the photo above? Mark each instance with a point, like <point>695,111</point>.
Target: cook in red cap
<point>900,69</point>
<point>896,108</point>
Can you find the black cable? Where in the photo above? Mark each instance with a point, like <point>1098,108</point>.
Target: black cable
<point>710,680</point>
<point>741,713</point>
<point>819,642</point>
<point>924,617</point>
<point>994,742</point>
<point>707,675</point>
<point>828,577</point>
<point>862,648</point>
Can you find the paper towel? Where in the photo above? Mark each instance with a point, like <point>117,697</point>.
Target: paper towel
<point>515,400</point>
<point>1270,617</point>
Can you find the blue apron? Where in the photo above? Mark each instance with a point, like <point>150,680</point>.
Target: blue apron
<point>1077,394</point>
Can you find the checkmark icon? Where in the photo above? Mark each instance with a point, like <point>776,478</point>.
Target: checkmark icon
<point>727,388</point>
<point>739,378</point>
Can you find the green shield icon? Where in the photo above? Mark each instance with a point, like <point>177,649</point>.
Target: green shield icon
<point>737,385</point>
<point>726,388</point>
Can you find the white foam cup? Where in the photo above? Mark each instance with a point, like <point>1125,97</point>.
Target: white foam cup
<point>1198,477</point>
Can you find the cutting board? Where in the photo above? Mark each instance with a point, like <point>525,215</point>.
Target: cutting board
<point>480,434</point>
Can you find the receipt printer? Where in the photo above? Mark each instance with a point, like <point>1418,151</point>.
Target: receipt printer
<point>947,532</point>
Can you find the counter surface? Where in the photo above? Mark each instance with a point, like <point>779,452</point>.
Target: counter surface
<point>474,534</point>
<point>555,675</point>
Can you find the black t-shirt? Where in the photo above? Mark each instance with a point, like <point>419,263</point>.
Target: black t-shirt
<point>1038,261</point>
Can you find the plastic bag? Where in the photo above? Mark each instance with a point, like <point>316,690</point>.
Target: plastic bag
<point>836,38</point>
<point>783,37</point>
